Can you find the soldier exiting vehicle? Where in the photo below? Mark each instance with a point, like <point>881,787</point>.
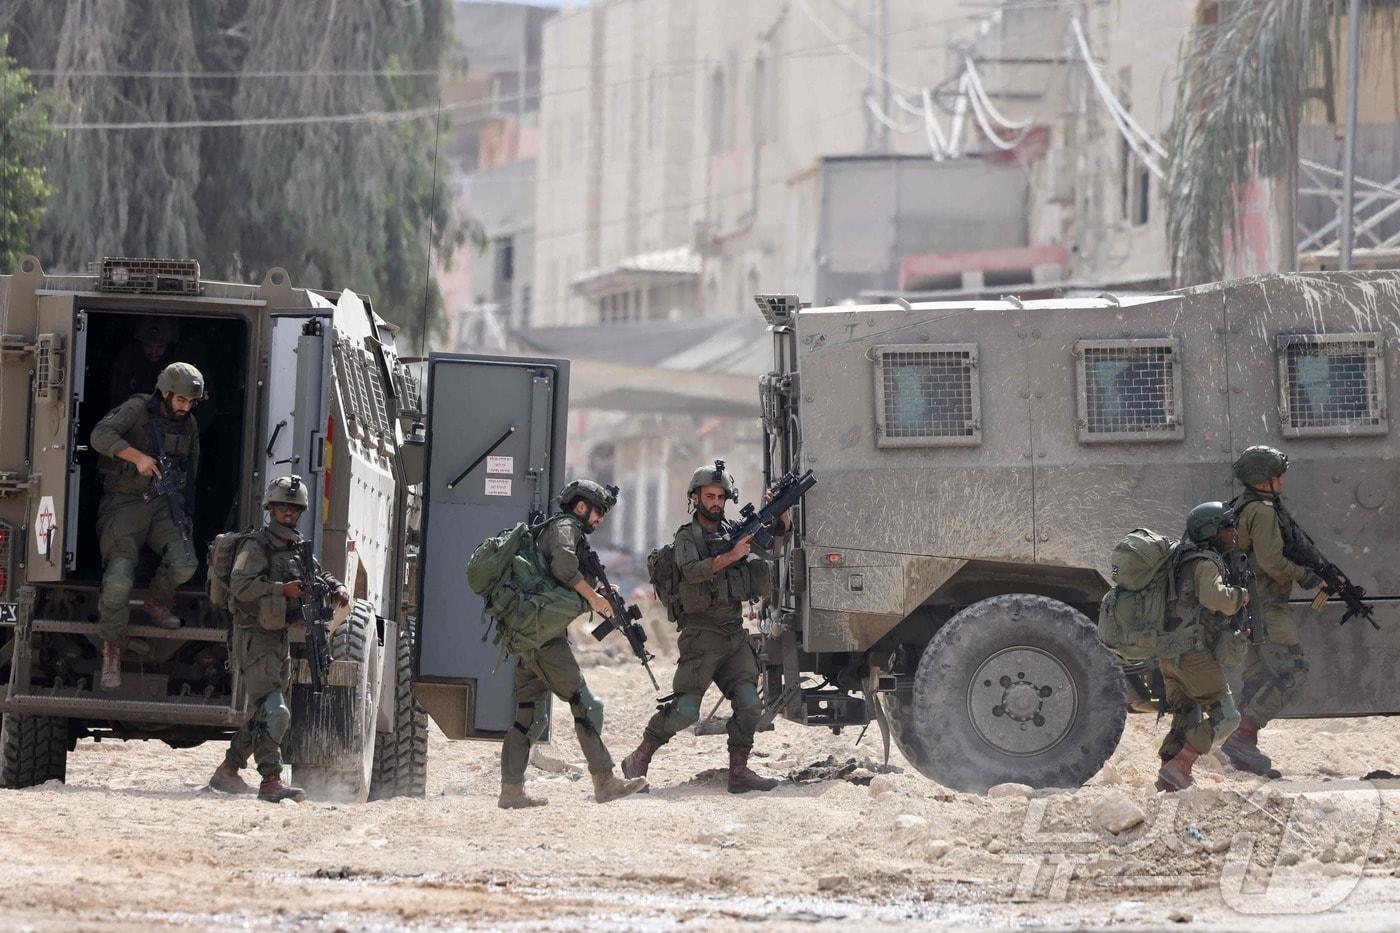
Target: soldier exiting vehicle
<point>1275,668</point>
<point>149,449</point>
<point>265,584</point>
<point>552,668</point>
<point>715,582</point>
<point>1203,710</point>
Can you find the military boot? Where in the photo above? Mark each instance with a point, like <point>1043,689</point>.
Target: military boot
<point>636,764</point>
<point>1242,748</point>
<point>111,677</point>
<point>513,797</point>
<point>227,780</point>
<point>159,611</point>
<point>608,786</point>
<point>741,779</point>
<point>1176,772</point>
<point>274,791</point>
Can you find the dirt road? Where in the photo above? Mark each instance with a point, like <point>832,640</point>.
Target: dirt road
<point>134,842</point>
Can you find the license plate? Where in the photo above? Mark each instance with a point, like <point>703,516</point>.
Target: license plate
<point>9,613</point>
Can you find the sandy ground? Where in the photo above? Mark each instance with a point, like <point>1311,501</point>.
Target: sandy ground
<point>133,841</point>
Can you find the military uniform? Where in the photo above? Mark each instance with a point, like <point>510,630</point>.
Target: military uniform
<point>1203,709</point>
<point>553,669</point>
<point>714,647</point>
<point>261,646</point>
<point>1275,668</point>
<point>126,521</point>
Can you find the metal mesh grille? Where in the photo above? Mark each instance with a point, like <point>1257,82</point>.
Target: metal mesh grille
<point>1334,384</point>
<point>376,392</point>
<point>45,360</point>
<point>1129,389</point>
<point>350,378</point>
<point>6,551</point>
<point>929,394</point>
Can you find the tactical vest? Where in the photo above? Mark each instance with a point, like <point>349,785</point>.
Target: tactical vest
<point>720,599</point>
<point>177,435</point>
<point>1267,587</point>
<point>273,611</point>
<point>1186,611</point>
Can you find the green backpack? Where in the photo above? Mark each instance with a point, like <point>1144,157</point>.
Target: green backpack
<point>223,550</point>
<point>1133,613</point>
<point>521,596</point>
<point>665,578</point>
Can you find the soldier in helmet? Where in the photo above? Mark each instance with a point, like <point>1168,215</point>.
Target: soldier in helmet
<point>714,647</point>
<point>265,583</point>
<point>139,361</point>
<point>1275,668</point>
<point>1203,710</point>
<point>132,439</point>
<point>552,669</point>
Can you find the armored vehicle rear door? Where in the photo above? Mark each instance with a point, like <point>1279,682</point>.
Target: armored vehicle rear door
<point>1312,366</point>
<point>495,457</point>
<point>298,403</point>
<point>56,391</point>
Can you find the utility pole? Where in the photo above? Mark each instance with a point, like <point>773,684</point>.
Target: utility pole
<point>885,70</point>
<point>1348,215</point>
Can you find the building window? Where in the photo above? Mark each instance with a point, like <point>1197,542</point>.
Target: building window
<point>1332,384</point>
<point>525,309</point>
<point>620,307</point>
<point>1129,390</point>
<point>927,396</point>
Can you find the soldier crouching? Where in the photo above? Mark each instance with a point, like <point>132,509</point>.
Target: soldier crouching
<point>134,440</point>
<point>1203,710</point>
<point>716,580</point>
<point>264,581</point>
<point>552,668</point>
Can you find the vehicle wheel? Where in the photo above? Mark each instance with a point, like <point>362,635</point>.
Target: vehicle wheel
<point>1015,688</point>
<point>333,734</point>
<point>401,757</point>
<point>35,750</point>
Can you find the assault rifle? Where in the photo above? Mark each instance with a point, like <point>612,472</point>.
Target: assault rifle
<point>1239,573</point>
<point>1299,547</point>
<point>316,613</point>
<point>172,483</point>
<point>624,618</point>
<point>765,522</point>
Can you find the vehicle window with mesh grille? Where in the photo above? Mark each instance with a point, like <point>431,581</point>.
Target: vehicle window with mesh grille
<point>1332,384</point>
<point>1129,390</point>
<point>928,395</point>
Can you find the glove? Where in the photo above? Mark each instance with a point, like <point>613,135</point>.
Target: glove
<point>1311,582</point>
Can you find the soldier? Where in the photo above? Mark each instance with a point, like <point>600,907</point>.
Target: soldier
<point>139,361</point>
<point>1275,668</point>
<point>142,506</point>
<point>714,647</point>
<point>1203,710</point>
<point>265,581</point>
<point>552,668</point>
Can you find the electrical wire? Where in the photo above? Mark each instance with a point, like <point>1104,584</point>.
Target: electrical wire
<point>1131,131</point>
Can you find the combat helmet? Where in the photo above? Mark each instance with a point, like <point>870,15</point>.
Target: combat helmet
<point>286,490</point>
<point>1259,464</point>
<point>715,475</point>
<point>158,330</point>
<point>597,495</point>
<point>182,379</point>
<point>1205,521</point>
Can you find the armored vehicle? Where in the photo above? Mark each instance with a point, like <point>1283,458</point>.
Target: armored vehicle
<point>298,381</point>
<point>978,461</point>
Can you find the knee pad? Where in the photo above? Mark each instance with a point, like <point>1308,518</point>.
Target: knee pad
<point>1224,717</point>
<point>117,579</point>
<point>748,708</point>
<point>532,720</point>
<point>683,712</point>
<point>277,717</point>
<point>587,709</point>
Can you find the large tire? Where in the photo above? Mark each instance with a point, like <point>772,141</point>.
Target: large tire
<point>334,760</point>
<point>1014,688</point>
<point>401,757</point>
<point>35,750</point>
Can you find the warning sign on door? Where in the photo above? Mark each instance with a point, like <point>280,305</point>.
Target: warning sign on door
<point>497,487</point>
<point>44,524</point>
<point>501,466</point>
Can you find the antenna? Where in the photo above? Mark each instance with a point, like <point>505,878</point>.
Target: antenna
<point>432,213</point>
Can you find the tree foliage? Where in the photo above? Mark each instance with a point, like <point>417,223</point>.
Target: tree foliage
<point>24,131</point>
<point>338,205</point>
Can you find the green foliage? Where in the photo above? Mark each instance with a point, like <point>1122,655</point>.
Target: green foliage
<point>338,205</point>
<point>1237,109</point>
<point>24,131</point>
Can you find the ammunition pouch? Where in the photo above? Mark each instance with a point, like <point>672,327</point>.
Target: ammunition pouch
<point>272,612</point>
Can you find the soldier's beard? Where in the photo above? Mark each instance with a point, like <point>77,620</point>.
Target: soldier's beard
<point>716,515</point>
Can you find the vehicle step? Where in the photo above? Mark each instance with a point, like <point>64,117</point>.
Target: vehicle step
<point>94,706</point>
<point>148,632</point>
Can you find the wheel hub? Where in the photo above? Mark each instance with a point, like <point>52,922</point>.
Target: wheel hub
<point>1022,700</point>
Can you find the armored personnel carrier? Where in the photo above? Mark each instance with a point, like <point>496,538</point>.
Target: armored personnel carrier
<point>299,381</point>
<point>978,461</point>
